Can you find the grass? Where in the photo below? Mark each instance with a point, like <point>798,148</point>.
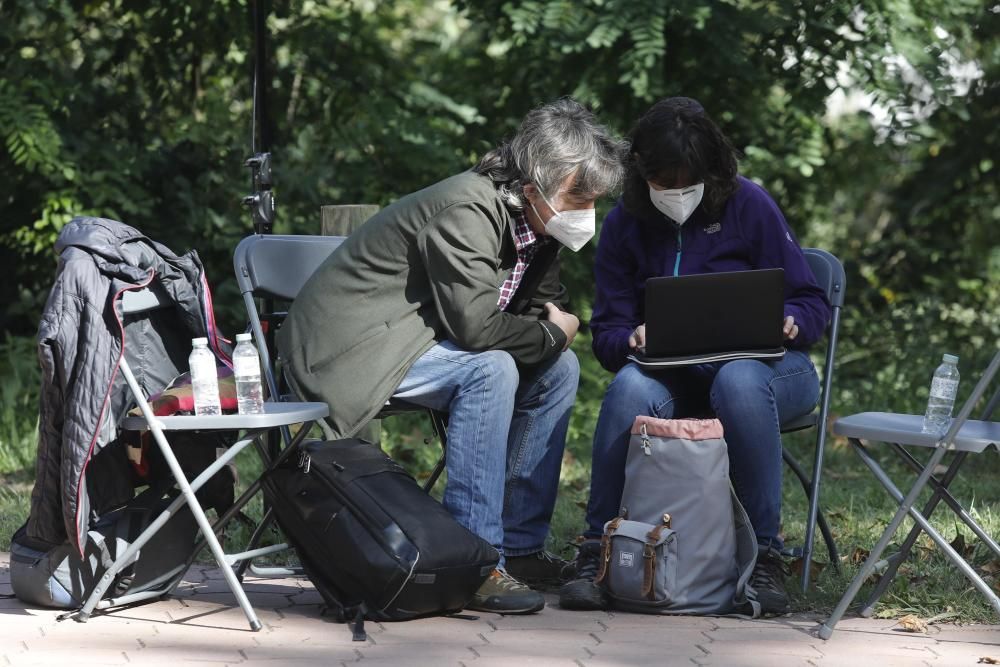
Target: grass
<point>19,381</point>
<point>858,508</point>
<point>854,502</point>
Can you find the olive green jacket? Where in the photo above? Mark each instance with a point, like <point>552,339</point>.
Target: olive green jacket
<point>425,269</point>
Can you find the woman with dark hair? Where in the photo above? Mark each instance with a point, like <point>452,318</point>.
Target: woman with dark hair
<point>686,210</point>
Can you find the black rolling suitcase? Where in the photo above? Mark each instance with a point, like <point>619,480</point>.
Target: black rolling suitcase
<point>373,543</point>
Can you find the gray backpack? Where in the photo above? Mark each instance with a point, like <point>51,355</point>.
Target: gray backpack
<point>58,576</point>
<point>683,543</point>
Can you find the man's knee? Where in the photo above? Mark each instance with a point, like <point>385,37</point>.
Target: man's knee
<point>565,373</point>
<point>497,370</point>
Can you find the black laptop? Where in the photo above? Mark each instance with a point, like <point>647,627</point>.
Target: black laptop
<point>713,317</point>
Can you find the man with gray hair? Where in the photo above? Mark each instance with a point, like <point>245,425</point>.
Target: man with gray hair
<point>450,299</point>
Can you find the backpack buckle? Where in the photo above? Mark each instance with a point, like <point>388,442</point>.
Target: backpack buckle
<point>305,461</point>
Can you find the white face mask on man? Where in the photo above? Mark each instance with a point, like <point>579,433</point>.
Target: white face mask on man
<point>573,228</point>
<point>677,204</point>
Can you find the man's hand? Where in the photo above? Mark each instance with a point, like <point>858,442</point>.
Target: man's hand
<point>790,328</point>
<point>568,322</point>
<point>637,338</point>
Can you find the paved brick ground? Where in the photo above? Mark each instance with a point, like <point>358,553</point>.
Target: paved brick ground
<point>201,625</point>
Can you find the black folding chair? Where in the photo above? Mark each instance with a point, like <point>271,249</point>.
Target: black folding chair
<point>965,436</point>
<point>829,273</point>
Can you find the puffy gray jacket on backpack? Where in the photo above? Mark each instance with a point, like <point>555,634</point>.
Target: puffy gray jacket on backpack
<point>80,347</point>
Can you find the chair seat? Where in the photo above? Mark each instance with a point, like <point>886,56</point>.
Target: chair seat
<point>974,436</point>
<point>397,406</point>
<point>800,423</point>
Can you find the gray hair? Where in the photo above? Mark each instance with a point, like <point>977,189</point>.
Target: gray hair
<point>555,141</point>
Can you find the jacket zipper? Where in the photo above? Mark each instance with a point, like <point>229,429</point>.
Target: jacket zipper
<point>680,248</point>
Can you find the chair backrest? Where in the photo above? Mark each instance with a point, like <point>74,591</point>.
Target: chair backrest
<point>151,297</point>
<point>276,266</point>
<point>829,274</point>
<point>150,318</point>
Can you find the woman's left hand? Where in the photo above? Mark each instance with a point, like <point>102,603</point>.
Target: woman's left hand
<point>790,328</point>
<point>637,339</point>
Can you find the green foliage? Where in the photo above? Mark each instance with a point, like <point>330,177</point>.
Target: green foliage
<point>19,381</point>
<point>875,125</point>
<point>30,137</point>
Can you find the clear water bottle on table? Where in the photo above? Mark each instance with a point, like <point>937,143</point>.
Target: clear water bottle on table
<point>204,378</point>
<point>246,368</point>
<point>944,389</point>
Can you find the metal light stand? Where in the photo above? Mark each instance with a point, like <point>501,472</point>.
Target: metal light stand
<point>261,200</point>
<point>262,207</point>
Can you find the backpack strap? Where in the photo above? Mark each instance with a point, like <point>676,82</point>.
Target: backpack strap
<point>649,556</point>
<point>358,633</point>
<point>745,604</point>
<point>606,548</point>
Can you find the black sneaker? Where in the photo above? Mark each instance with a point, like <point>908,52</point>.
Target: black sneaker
<point>768,579</point>
<point>540,569</point>
<point>582,593</point>
<point>503,594</point>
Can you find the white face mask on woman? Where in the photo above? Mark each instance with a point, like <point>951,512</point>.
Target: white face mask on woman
<point>573,228</point>
<point>677,204</point>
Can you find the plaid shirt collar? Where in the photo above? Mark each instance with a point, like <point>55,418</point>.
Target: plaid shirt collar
<point>523,235</point>
<point>526,243</point>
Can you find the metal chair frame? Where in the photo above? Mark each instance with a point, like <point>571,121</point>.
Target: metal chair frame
<point>275,415</point>
<point>829,272</point>
<point>964,437</point>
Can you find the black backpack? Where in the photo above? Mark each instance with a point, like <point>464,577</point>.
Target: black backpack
<point>373,543</point>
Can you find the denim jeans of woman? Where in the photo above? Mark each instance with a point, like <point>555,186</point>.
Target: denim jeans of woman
<point>506,435</point>
<point>751,398</point>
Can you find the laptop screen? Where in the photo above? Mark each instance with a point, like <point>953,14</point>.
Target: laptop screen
<point>714,312</point>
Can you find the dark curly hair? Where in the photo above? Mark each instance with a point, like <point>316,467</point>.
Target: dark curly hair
<point>677,138</point>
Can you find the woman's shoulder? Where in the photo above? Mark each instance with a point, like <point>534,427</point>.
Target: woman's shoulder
<point>750,191</point>
<point>752,201</point>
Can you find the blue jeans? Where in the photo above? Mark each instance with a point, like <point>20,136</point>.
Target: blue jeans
<point>750,397</point>
<point>506,435</point>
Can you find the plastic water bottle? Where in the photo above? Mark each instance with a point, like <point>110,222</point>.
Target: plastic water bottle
<point>246,368</point>
<point>944,388</point>
<point>204,378</point>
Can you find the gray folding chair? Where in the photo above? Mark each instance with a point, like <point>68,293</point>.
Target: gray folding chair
<point>137,303</point>
<point>276,267</point>
<point>965,436</point>
<point>829,273</point>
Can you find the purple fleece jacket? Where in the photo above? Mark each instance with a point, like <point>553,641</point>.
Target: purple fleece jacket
<point>751,233</point>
